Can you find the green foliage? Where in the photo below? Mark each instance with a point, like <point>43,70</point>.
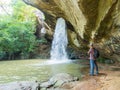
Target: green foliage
<point>105,60</point>
<point>101,60</point>
<point>17,30</point>
<point>42,41</point>
<point>18,36</point>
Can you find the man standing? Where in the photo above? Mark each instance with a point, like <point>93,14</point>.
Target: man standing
<point>93,62</point>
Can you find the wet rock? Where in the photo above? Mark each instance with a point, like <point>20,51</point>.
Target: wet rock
<point>23,85</point>
<point>47,84</point>
<point>57,81</point>
<point>62,77</point>
<point>43,89</point>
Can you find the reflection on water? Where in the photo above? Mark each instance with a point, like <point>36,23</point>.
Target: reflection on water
<point>40,70</point>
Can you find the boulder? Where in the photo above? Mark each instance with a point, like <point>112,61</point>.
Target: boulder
<point>58,80</point>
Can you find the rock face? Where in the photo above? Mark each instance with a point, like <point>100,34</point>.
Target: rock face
<point>88,21</point>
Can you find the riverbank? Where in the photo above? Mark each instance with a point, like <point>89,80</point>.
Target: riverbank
<point>108,79</point>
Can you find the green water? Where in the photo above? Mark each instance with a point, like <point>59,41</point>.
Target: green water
<point>40,70</point>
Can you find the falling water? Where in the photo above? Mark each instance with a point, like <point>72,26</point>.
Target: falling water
<point>59,44</point>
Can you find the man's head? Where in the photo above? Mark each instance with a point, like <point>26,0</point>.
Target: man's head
<point>91,45</point>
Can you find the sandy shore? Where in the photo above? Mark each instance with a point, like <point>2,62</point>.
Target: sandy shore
<point>108,79</point>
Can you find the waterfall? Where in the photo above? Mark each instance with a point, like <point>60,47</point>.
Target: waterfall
<point>60,41</point>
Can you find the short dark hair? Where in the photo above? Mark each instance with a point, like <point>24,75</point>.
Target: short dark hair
<point>91,44</point>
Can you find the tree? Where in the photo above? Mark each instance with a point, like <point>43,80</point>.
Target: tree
<point>17,31</point>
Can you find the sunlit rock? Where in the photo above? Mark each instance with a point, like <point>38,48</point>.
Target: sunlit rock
<point>95,21</point>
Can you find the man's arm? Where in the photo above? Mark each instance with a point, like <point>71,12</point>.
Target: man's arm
<point>89,51</point>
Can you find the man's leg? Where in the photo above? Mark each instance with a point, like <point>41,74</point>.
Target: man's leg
<point>91,67</point>
<point>96,66</point>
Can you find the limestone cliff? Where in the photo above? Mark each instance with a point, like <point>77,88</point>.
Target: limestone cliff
<point>88,21</point>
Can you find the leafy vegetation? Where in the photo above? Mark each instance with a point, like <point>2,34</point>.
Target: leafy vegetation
<point>17,31</point>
